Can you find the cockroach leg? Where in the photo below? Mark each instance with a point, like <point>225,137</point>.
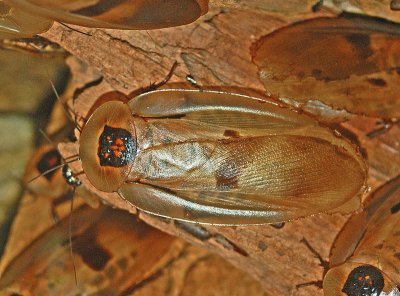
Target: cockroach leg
<point>323,263</point>
<point>386,125</point>
<point>154,86</point>
<point>312,283</point>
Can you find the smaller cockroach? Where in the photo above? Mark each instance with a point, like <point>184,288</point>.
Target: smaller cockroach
<point>113,252</point>
<point>365,257</point>
<point>47,175</point>
<point>349,63</point>
<point>219,158</point>
<point>25,18</point>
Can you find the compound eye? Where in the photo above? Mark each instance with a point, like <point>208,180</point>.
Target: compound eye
<point>107,146</point>
<point>364,280</point>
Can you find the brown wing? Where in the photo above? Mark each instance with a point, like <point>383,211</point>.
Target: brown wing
<point>121,14</point>
<point>105,242</point>
<point>244,181</point>
<point>348,62</point>
<point>17,23</point>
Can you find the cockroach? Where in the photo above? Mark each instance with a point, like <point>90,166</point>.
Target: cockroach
<point>24,18</point>
<point>113,252</point>
<point>219,158</point>
<point>365,257</point>
<point>349,63</point>
<point>47,175</point>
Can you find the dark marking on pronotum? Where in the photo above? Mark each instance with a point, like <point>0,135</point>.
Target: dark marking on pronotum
<point>364,280</point>
<point>377,82</point>
<point>227,244</point>
<point>227,175</point>
<point>197,231</point>
<point>231,133</point>
<point>116,147</point>
<point>395,208</point>
<point>48,161</point>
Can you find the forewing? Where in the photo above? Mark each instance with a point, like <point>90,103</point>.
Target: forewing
<point>348,62</point>
<point>16,23</point>
<point>244,181</point>
<point>122,14</point>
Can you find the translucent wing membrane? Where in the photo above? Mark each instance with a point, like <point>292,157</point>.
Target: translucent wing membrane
<point>349,62</point>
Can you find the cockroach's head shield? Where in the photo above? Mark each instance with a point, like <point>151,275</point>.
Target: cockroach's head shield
<point>110,131</point>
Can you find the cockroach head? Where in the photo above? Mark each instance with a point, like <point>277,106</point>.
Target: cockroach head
<point>108,146</point>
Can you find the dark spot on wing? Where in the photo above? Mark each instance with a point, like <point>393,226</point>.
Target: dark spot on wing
<point>397,255</point>
<point>227,175</point>
<point>93,254</point>
<point>231,134</point>
<point>377,82</point>
<point>379,246</point>
<point>98,8</point>
<point>395,208</point>
<point>361,43</point>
